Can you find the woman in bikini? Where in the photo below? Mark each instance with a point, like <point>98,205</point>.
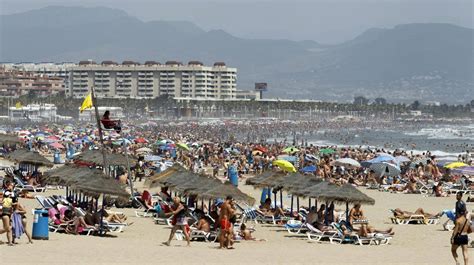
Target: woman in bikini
<point>8,204</point>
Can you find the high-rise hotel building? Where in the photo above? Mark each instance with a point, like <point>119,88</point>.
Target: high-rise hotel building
<point>152,79</point>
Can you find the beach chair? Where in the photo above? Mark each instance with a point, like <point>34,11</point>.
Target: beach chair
<point>143,211</point>
<point>27,187</point>
<point>317,235</point>
<point>295,227</point>
<point>200,235</point>
<point>44,202</point>
<point>414,219</point>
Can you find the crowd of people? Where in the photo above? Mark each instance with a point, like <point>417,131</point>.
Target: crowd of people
<point>238,149</point>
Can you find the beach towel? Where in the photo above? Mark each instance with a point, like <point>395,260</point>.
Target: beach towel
<point>17,226</point>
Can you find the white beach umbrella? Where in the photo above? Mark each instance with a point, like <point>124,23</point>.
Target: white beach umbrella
<point>385,169</point>
<point>347,162</point>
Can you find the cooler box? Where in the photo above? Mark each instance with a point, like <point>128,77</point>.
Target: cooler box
<point>40,225</point>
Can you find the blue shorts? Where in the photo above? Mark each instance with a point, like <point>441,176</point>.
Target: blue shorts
<point>450,214</point>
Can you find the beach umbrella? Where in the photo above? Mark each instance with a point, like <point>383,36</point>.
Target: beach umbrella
<point>327,151</point>
<point>309,157</point>
<point>153,158</point>
<point>8,139</point>
<point>261,149</point>
<point>347,162</point>
<point>309,169</point>
<point>422,160</point>
<point>287,158</point>
<point>56,145</point>
<point>455,165</point>
<point>257,153</point>
<point>161,142</point>
<point>232,151</point>
<point>28,157</point>
<point>141,140</point>
<point>144,150</point>
<point>284,165</point>
<point>290,150</point>
<point>183,146</point>
<point>464,171</point>
<point>385,169</point>
<point>402,159</point>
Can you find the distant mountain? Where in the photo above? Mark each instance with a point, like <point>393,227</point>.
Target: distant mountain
<point>413,61</point>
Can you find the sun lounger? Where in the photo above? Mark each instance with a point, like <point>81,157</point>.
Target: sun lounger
<point>27,187</point>
<point>143,211</point>
<point>317,235</point>
<point>295,227</point>
<point>414,219</point>
<point>201,235</point>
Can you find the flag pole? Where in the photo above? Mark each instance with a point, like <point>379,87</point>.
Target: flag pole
<point>104,157</point>
<point>101,137</point>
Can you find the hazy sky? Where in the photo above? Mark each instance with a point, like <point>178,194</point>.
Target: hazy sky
<point>325,21</point>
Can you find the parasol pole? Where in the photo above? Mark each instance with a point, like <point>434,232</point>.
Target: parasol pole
<point>292,203</point>
<point>125,149</point>
<point>347,211</point>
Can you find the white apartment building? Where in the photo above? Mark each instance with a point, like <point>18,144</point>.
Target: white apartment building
<point>152,79</point>
<point>41,69</point>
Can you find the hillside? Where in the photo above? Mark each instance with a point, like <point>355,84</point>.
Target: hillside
<point>436,59</point>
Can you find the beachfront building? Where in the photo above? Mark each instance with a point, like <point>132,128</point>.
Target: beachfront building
<point>89,114</point>
<point>14,83</point>
<point>33,113</point>
<point>152,79</point>
<point>45,69</point>
<point>247,94</point>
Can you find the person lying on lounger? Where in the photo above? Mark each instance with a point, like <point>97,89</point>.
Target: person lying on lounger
<point>365,230</point>
<point>406,214</point>
<point>267,210</point>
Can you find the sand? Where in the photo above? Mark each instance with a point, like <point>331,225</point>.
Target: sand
<point>141,242</point>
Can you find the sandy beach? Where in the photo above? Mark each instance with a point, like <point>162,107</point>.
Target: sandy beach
<point>140,243</point>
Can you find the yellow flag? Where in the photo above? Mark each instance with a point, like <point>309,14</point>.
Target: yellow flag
<point>18,105</point>
<point>87,103</point>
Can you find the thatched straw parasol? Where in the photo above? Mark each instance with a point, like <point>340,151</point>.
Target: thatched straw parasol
<point>90,181</point>
<point>227,189</point>
<point>154,180</point>
<point>266,179</point>
<point>7,139</point>
<point>191,184</point>
<point>28,157</point>
<point>95,157</point>
<point>332,192</point>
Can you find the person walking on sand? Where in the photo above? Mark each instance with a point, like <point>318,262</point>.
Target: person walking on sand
<point>459,238</point>
<point>226,233</point>
<point>179,221</point>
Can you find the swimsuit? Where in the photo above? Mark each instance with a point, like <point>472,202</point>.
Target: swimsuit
<point>225,224</point>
